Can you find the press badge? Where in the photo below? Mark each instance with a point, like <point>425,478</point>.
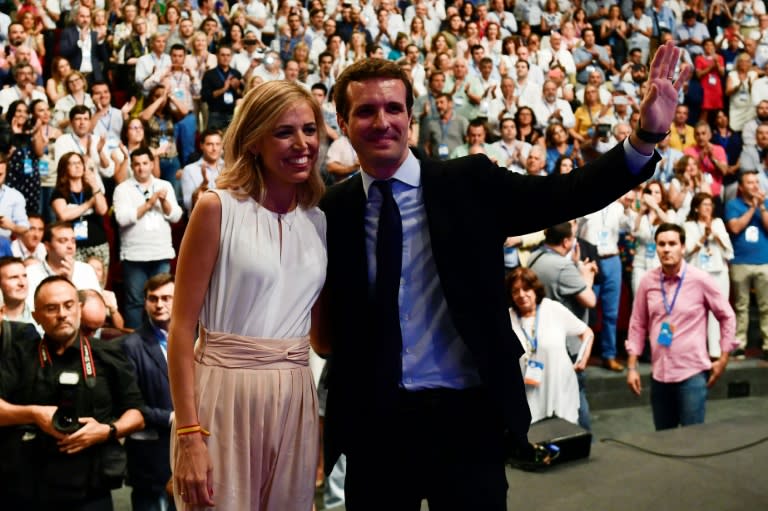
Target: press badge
<point>42,167</point>
<point>229,98</point>
<point>442,151</point>
<point>458,101</point>
<point>603,243</point>
<point>712,80</point>
<point>534,373</point>
<point>665,334</point>
<point>705,260</point>
<point>29,168</point>
<point>81,230</point>
<point>752,234</point>
<point>179,93</point>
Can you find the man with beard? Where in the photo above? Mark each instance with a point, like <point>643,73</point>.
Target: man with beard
<point>447,132</point>
<point>550,108</point>
<point>72,460</point>
<point>25,89</point>
<point>748,134</point>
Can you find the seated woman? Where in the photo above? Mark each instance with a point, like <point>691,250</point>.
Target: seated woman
<point>542,325</point>
<point>556,138</point>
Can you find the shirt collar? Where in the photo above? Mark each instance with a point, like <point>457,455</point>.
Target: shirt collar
<point>676,276</point>
<point>408,173</point>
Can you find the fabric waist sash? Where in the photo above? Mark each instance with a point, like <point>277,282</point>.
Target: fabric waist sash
<point>241,352</point>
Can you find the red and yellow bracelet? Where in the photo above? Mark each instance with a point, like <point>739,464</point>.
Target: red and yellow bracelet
<point>195,428</point>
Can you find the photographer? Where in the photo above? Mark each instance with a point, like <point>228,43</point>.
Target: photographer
<point>64,403</point>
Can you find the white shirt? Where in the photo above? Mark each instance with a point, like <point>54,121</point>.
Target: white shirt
<point>147,238</point>
<point>83,277</point>
<point>543,110</point>
<point>192,177</point>
<point>69,142</point>
<point>11,94</point>
<point>85,48</point>
<point>19,250</point>
<point>602,228</point>
<point>341,151</point>
<point>151,65</point>
<point>12,205</point>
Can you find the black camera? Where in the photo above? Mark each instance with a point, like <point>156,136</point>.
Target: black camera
<point>603,130</point>
<point>66,420</point>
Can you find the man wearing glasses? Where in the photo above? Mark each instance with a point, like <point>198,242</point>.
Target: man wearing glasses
<point>148,451</point>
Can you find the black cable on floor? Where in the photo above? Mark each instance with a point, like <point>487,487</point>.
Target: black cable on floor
<point>685,456</point>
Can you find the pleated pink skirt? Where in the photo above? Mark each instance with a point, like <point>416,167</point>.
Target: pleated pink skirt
<point>258,399</point>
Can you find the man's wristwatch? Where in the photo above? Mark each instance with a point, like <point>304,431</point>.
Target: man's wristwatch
<point>650,137</point>
<point>112,431</point>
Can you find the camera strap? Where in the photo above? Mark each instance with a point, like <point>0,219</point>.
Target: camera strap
<point>86,359</point>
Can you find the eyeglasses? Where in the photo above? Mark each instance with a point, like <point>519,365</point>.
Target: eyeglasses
<point>73,80</point>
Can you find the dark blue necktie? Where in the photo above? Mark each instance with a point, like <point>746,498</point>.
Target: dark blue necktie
<point>389,255</point>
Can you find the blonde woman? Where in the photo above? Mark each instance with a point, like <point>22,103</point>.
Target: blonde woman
<point>198,62</point>
<point>251,266</point>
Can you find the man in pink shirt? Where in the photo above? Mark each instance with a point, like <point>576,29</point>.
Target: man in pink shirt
<point>711,157</point>
<point>671,308</point>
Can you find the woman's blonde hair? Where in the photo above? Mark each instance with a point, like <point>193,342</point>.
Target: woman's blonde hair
<point>253,123</point>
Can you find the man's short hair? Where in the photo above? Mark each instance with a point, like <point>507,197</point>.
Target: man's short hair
<point>19,66</point>
<point>9,260</point>
<point>49,228</point>
<point>324,55</point>
<point>208,133</point>
<point>78,110</point>
<point>320,86</point>
<point>368,69</point>
<point>99,82</point>
<point>556,234</point>
<point>744,173</point>
<point>50,280</point>
<point>477,122</point>
<point>157,281</point>
<point>179,46</point>
<point>666,227</point>
<point>142,151</point>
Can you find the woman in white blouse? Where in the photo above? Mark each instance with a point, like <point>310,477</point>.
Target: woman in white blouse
<point>654,210</point>
<point>708,246</point>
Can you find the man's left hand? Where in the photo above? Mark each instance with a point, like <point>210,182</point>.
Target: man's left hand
<point>718,367</point>
<point>658,106</point>
<point>93,432</point>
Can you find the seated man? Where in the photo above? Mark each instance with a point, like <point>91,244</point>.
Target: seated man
<point>28,245</point>
<point>13,284</point>
<point>73,459</point>
<point>59,240</point>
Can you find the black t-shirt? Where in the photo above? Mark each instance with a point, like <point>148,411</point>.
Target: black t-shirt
<point>96,233</point>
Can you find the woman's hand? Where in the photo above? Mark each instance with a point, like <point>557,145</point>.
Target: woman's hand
<point>193,471</point>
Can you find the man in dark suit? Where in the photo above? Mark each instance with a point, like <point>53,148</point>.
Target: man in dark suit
<point>426,394</point>
<point>148,451</point>
<point>80,41</point>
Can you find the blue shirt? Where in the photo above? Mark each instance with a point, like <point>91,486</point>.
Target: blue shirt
<point>750,246</point>
<point>434,355</point>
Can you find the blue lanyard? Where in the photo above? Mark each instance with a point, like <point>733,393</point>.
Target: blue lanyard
<point>77,143</point>
<point>77,199</point>
<point>109,121</point>
<point>222,75</point>
<point>667,306</point>
<point>532,340</point>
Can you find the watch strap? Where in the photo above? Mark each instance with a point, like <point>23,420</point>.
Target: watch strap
<point>112,431</point>
<point>650,137</point>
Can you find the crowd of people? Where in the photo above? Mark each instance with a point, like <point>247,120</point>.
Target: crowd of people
<point>118,116</point>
